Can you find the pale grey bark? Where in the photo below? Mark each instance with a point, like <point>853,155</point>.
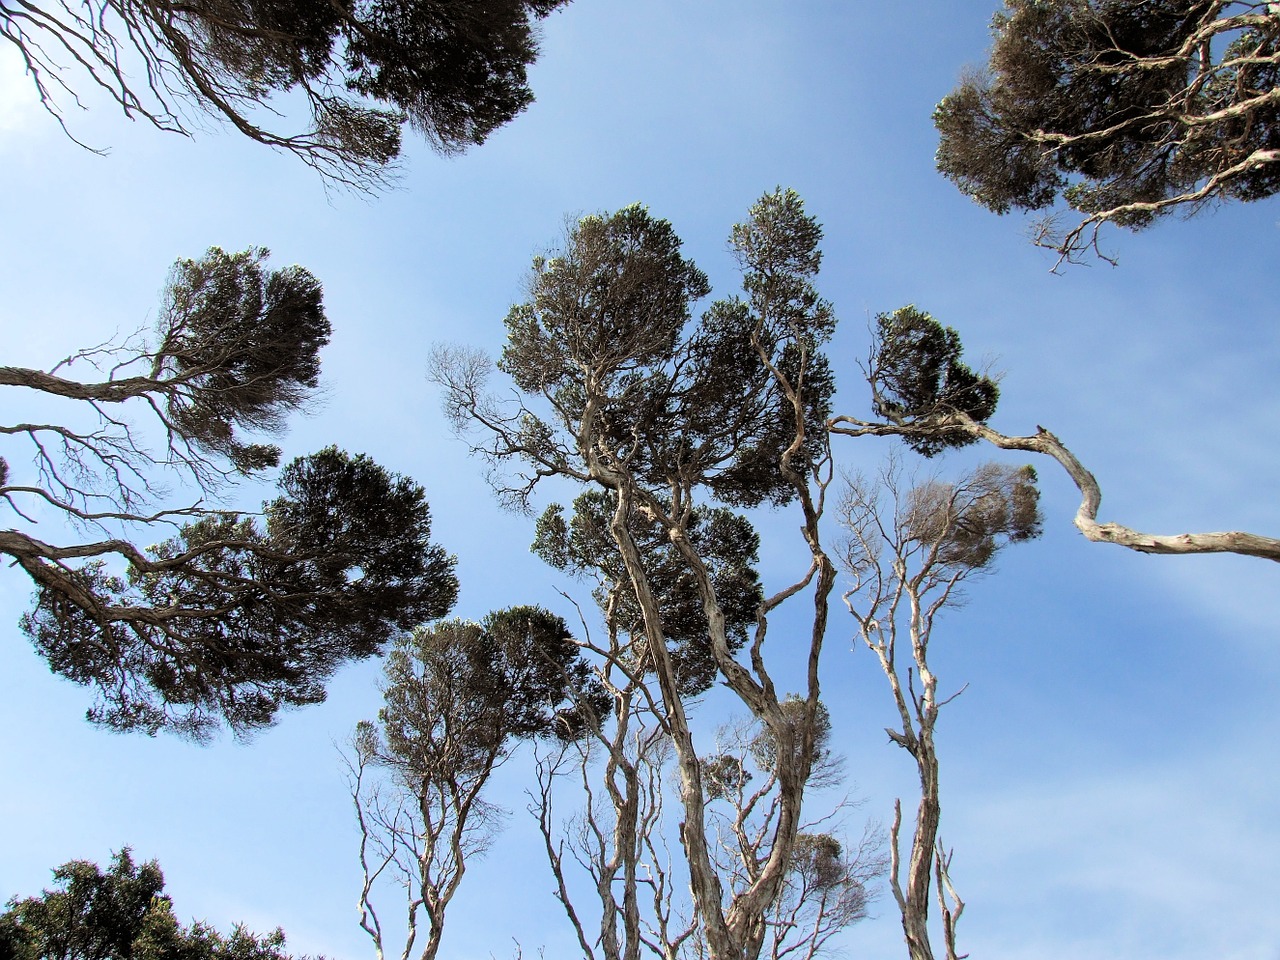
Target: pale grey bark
<point>1086,518</point>
<point>419,832</point>
<point>908,550</point>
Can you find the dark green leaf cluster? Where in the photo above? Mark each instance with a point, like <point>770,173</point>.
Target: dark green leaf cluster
<point>1113,102</point>
<point>916,374</point>
<point>455,70</point>
<point>725,541</point>
<point>122,914</point>
<point>232,619</point>
<point>614,301</point>
<point>732,402</point>
<point>777,247</point>
<point>755,475</point>
<point>458,692</point>
<point>240,348</point>
<point>1255,58</point>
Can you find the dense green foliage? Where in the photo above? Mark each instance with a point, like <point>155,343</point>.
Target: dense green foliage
<point>608,340</point>
<point>457,693</point>
<point>122,914</point>
<point>232,619</point>
<point>455,70</point>
<point>239,348</point>
<point>1123,109</point>
<point>230,616</point>
<point>658,413</point>
<point>916,375</point>
<point>726,541</point>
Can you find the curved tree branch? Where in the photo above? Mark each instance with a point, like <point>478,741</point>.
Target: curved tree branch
<point>1086,519</point>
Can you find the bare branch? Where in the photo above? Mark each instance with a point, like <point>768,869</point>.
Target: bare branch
<point>941,534</point>
<point>1086,518</point>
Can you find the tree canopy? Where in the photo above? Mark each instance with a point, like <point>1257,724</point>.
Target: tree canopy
<point>916,374</point>
<point>702,403</point>
<point>621,389</point>
<point>454,70</point>
<point>583,545</point>
<point>456,694</point>
<point>231,616</point>
<point>1126,111</point>
<point>468,689</point>
<point>122,914</point>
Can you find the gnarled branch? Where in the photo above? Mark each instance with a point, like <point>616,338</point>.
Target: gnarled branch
<point>1086,519</point>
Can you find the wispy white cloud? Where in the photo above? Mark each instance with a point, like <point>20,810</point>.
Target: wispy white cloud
<point>1169,860</point>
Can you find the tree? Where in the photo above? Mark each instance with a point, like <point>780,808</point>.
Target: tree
<point>930,419</point>
<point>828,885</point>
<point>583,546</point>
<point>908,559</point>
<point>458,695</point>
<point>454,70</point>
<point>621,833</point>
<point>1127,111</point>
<point>619,390</point>
<point>122,914</point>
<point>621,836</point>
<point>232,616</point>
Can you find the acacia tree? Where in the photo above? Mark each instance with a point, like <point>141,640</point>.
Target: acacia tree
<point>927,397</point>
<point>620,391</point>
<point>1128,111</point>
<point>457,695</point>
<point>908,552</point>
<point>454,70</point>
<point>122,914</point>
<point>233,615</point>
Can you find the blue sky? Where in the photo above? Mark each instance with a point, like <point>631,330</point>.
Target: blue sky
<point>1110,773</point>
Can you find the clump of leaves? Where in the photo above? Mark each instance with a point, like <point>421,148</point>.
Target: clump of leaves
<point>917,376</point>
<point>232,619</point>
<point>725,540</point>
